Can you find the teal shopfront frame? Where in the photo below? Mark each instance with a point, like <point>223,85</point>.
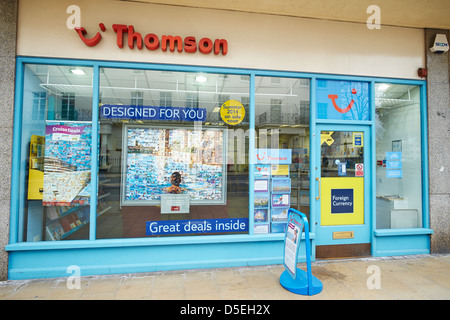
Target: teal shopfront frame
<point>47,259</point>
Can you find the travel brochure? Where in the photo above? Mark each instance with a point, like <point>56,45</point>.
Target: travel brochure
<point>272,191</point>
<point>173,161</point>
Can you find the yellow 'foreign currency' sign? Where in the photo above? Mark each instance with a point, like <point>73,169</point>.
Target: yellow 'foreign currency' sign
<point>232,112</point>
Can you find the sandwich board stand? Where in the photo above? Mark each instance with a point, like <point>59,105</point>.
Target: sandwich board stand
<point>294,279</point>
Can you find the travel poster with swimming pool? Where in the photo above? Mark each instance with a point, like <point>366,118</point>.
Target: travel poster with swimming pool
<point>168,160</point>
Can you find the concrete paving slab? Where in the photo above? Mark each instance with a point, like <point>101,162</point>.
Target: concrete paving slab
<point>418,277</point>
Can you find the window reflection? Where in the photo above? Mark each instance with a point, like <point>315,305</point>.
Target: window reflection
<point>282,129</point>
<point>56,152</point>
<point>398,156</point>
<point>169,163</point>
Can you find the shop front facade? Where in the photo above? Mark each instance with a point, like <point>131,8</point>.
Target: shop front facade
<point>143,143</point>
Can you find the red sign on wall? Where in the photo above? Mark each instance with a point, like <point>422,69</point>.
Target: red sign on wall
<point>126,34</point>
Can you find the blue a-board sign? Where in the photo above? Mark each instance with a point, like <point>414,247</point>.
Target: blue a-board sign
<point>294,279</point>
<point>294,232</point>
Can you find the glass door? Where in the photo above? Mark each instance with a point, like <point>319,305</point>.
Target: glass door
<point>343,188</point>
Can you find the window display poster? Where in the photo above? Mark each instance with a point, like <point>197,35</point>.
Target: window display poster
<point>262,171</point>
<point>281,185</point>
<point>279,214</point>
<point>292,241</point>
<point>261,215</point>
<point>261,185</point>
<point>174,203</point>
<point>67,163</point>
<point>261,200</point>
<point>280,200</point>
<point>280,170</point>
<point>163,160</point>
<point>261,229</point>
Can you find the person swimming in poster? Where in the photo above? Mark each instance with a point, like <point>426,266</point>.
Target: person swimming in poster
<point>175,181</point>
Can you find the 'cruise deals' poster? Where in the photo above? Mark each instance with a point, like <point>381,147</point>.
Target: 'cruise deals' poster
<point>67,163</point>
<point>173,161</point>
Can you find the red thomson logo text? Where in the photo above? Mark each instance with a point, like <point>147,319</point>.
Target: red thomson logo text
<point>127,34</point>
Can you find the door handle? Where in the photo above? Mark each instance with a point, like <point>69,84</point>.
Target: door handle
<point>318,180</point>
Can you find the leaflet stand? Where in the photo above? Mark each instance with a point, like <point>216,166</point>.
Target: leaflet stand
<point>294,279</point>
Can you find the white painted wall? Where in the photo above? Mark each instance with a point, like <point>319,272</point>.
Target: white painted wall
<point>257,41</point>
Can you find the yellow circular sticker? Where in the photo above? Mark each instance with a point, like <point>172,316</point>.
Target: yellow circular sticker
<point>232,112</point>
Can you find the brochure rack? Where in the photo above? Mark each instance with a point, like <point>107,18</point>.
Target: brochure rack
<point>62,221</point>
<point>272,197</point>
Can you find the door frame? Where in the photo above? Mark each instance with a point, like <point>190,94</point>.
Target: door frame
<point>361,233</point>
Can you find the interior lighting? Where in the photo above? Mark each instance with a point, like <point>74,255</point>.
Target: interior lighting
<point>201,79</point>
<point>383,86</point>
<point>78,72</point>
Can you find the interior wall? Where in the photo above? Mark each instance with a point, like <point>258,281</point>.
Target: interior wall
<point>402,123</point>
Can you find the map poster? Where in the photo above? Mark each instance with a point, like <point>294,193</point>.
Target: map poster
<point>67,163</point>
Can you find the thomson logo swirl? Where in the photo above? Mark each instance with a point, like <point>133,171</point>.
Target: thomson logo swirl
<point>333,98</point>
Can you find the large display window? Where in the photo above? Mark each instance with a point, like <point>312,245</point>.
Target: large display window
<point>174,155</point>
<point>282,167</point>
<point>399,168</point>
<point>56,143</point>
<point>173,158</point>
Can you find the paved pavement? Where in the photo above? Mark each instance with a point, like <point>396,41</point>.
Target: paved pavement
<point>417,277</point>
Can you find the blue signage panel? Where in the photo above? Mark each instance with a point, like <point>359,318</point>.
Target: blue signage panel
<point>172,227</point>
<point>394,173</point>
<point>343,100</point>
<point>273,156</point>
<point>394,164</point>
<point>357,141</point>
<point>109,111</point>
<point>394,155</point>
<point>341,200</point>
